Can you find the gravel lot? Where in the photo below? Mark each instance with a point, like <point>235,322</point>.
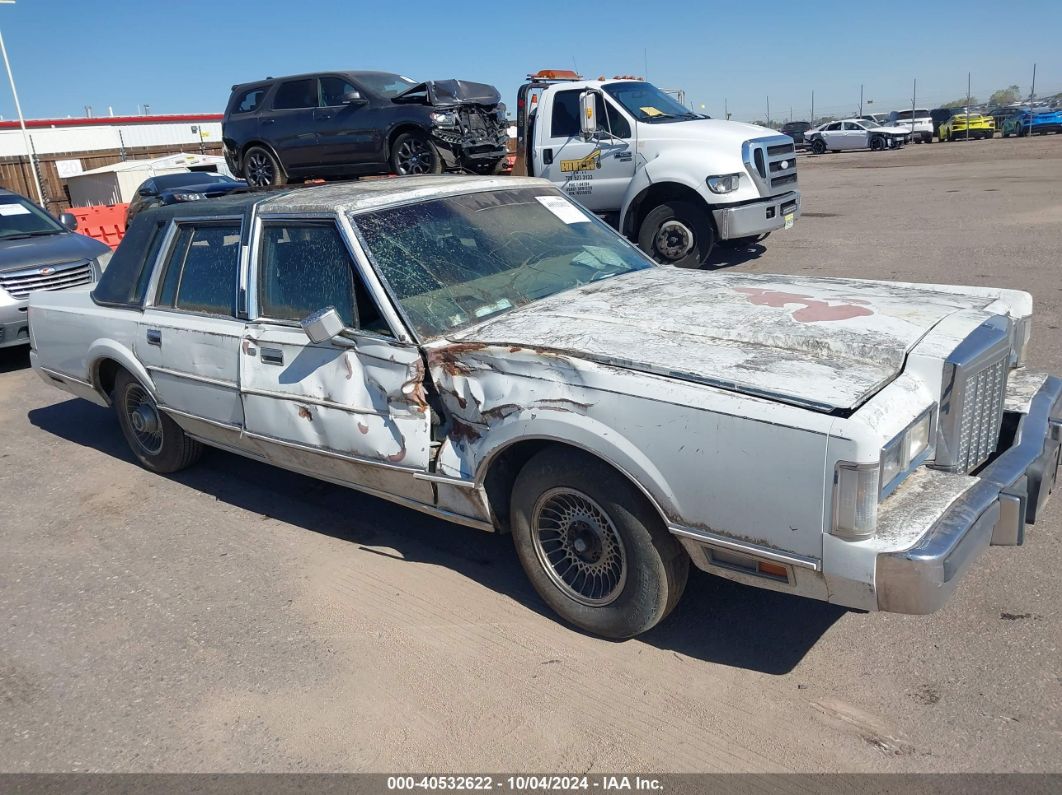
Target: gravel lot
<point>239,618</point>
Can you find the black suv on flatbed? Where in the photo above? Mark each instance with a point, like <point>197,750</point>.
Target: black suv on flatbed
<point>348,124</point>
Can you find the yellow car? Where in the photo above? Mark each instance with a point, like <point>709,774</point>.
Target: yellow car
<point>961,127</point>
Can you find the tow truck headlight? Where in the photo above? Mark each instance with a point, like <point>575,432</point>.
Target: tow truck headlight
<point>444,118</point>
<point>724,183</point>
<point>855,500</point>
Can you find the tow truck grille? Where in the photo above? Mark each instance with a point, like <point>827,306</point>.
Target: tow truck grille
<point>773,164</point>
<point>19,284</point>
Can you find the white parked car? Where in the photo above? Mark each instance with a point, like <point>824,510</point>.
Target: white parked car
<point>918,123</point>
<point>490,352</point>
<point>838,136</point>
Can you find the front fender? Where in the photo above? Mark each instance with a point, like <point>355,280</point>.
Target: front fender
<point>472,458</point>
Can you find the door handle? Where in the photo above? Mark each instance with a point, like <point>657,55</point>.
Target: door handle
<point>327,116</point>
<point>154,337</point>
<point>272,356</point>
<point>269,121</point>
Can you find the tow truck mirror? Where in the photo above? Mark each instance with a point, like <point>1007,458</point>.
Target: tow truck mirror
<point>588,114</point>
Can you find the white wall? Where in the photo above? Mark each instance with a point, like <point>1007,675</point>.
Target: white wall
<point>55,140</point>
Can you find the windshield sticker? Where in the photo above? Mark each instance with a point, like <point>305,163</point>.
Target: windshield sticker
<point>490,309</point>
<point>649,110</point>
<point>563,209</point>
<point>13,209</point>
<point>589,163</point>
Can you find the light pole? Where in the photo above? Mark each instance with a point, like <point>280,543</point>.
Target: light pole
<point>21,120</point>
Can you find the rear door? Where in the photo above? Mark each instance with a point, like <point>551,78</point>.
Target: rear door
<point>348,410</point>
<point>596,173</point>
<point>189,334</point>
<point>289,125</point>
<point>347,133</point>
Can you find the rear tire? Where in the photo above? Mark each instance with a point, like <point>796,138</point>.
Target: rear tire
<point>573,511</point>
<point>818,147</point>
<point>158,442</point>
<point>261,169</point>
<point>677,233</point>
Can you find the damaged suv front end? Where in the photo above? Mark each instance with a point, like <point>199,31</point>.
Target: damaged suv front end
<point>468,125</point>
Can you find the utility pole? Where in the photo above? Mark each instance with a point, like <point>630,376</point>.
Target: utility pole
<point>812,107</point>
<point>860,100</point>
<point>22,124</point>
<point>768,110</point>
<point>968,106</point>
<point>914,94</point>
<point>1032,91</point>
<point>726,109</point>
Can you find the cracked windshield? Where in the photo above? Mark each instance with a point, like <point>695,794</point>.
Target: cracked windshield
<point>457,261</point>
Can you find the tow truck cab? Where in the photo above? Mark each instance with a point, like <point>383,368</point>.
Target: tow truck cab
<point>671,180</point>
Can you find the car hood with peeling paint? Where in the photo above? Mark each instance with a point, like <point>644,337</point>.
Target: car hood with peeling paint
<point>822,343</point>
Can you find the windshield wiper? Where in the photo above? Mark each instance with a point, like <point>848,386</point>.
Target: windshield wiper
<point>22,235</point>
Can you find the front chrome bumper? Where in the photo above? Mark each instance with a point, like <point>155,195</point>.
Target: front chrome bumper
<point>756,218</point>
<point>1010,493</point>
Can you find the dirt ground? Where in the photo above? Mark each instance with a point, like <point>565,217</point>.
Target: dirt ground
<point>238,618</point>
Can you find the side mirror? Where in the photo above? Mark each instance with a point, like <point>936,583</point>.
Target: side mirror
<point>322,325</point>
<point>352,98</point>
<point>69,220</point>
<point>587,114</point>
<point>145,192</point>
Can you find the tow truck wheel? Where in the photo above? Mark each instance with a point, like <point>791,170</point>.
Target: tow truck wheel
<point>677,233</point>
<point>158,442</point>
<point>593,547</point>
<point>261,169</point>
<point>818,147</point>
<point>413,153</point>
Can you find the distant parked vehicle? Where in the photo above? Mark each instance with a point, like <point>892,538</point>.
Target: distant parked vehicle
<point>348,124</point>
<point>796,130</point>
<point>962,126</point>
<point>39,252</point>
<point>880,119</point>
<point>848,134</point>
<point>918,122</point>
<point>172,188</point>
<point>1029,121</point>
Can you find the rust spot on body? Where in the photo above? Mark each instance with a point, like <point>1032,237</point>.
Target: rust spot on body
<point>348,365</point>
<point>394,458</point>
<point>363,428</point>
<point>462,431</point>
<point>813,309</point>
<point>305,413</point>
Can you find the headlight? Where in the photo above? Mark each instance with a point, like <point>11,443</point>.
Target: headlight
<point>906,451</point>
<point>188,197</point>
<point>724,183</point>
<point>444,118</point>
<point>855,500</point>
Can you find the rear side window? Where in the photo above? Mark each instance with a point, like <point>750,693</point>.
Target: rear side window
<point>202,270</point>
<point>296,94</point>
<point>249,100</point>
<point>125,281</point>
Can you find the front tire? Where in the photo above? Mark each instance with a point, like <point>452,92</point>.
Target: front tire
<point>593,547</point>
<point>677,233</point>
<point>261,169</point>
<point>877,144</point>
<point>412,153</point>
<point>158,442</point>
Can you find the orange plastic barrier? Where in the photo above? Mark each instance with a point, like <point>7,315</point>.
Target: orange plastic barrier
<point>104,222</point>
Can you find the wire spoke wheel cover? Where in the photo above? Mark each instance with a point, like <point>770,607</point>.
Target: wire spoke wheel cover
<point>144,419</point>
<point>579,547</point>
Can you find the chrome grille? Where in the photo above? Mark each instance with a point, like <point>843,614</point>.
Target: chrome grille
<point>972,400</point>
<point>772,164</point>
<point>19,284</point>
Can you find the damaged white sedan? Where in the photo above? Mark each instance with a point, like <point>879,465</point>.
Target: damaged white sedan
<point>487,351</point>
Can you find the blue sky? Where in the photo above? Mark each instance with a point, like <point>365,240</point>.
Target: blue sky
<point>184,56</point>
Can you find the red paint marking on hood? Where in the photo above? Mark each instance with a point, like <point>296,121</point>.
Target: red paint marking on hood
<point>812,309</point>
